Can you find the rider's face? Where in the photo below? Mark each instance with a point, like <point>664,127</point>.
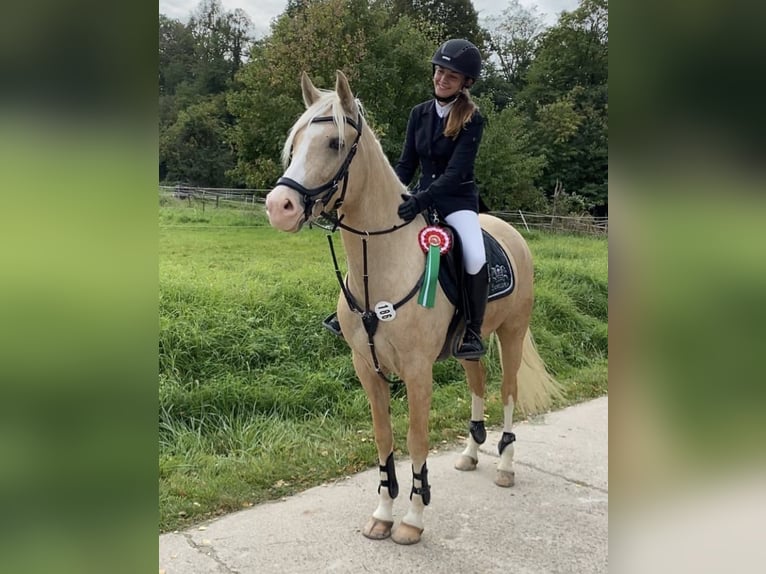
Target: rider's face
<point>446,82</point>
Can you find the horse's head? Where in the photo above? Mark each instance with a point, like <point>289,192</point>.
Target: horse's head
<point>317,155</point>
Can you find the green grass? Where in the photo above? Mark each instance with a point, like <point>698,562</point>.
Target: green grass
<point>257,401</point>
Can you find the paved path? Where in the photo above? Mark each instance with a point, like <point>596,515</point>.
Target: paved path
<point>553,520</point>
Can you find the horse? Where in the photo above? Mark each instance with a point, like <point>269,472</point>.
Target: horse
<point>334,164</point>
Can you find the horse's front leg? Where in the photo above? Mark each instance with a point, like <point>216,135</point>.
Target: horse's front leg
<point>379,525</point>
<point>419,388</point>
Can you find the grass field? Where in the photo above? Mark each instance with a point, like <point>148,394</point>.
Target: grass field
<point>258,401</point>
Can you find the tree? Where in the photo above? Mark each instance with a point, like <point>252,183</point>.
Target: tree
<point>506,169</point>
<point>513,38</point>
<point>566,97</point>
<point>395,75</point>
<point>572,53</point>
<point>449,18</point>
<point>387,63</point>
<point>176,57</point>
<point>195,149</point>
<point>197,64</point>
<point>221,38</point>
<point>544,94</point>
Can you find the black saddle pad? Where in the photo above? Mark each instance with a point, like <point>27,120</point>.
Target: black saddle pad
<point>501,277</point>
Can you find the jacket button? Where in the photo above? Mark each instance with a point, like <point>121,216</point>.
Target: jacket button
<point>433,176</point>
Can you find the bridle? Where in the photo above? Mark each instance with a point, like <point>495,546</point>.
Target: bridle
<point>323,193</point>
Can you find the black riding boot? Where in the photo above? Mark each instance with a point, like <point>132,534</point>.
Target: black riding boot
<point>476,290</point>
<point>332,324</point>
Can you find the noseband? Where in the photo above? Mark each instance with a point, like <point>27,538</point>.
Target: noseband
<point>324,193</point>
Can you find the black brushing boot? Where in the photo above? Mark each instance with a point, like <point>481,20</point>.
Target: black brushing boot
<point>476,291</point>
<point>332,324</point>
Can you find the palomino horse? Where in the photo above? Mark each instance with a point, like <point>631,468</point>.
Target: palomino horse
<point>336,164</point>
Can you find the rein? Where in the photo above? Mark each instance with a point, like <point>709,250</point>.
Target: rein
<point>337,222</point>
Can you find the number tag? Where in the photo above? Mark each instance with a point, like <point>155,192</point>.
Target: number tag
<point>385,311</point>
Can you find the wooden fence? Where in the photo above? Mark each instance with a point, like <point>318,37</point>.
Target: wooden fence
<point>218,197</point>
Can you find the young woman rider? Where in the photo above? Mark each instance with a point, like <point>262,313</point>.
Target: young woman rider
<point>443,137</point>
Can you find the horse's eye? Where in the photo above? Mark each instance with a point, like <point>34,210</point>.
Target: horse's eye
<point>335,143</point>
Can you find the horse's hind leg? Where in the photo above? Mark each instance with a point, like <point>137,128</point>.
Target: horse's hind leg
<point>511,342</point>
<point>379,395</point>
<point>477,376</point>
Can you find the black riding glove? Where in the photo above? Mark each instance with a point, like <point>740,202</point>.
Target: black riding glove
<point>414,204</point>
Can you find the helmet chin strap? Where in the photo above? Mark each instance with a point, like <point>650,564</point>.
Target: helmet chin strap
<point>445,101</point>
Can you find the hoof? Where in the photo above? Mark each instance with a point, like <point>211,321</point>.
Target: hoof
<point>505,478</point>
<point>406,534</point>
<point>466,462</point>
<point>377,529</point>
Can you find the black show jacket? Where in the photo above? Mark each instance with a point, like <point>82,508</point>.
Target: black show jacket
<point>446,164</point>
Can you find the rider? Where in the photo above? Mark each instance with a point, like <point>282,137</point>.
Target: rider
<point>443,136</point>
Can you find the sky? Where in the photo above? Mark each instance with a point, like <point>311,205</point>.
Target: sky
<point>261,12</point>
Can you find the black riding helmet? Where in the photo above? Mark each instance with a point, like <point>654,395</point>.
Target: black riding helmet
<point>459,56</point>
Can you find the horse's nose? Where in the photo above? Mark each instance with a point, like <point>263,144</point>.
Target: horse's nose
<point>283,208</point>
<point>278,201</point>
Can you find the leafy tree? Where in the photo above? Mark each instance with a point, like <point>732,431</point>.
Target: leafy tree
<point>221,38</point>
<point>197,65</point>
<point>513,38</point>
<point>506,169</point>
<point>449,18</point>
<point>386,64</point>
<point>565,95</point>
<point>227,103</point>
<point>572,53</point>
<point>395,75</point>
<point>176,54</point>
<point>195,149</point>
<point>319,37</point>
<point>494,86</point>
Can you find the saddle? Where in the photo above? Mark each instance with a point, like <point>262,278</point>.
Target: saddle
<point>451,273</point>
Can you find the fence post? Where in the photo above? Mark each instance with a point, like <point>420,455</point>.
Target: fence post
<point>524,221</point>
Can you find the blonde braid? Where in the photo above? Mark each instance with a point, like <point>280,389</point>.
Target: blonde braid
<point>460,114</point>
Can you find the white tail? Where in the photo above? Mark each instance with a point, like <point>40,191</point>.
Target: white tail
<point>536,387</point>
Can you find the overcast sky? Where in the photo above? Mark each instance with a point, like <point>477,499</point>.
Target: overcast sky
<point>261,12</point>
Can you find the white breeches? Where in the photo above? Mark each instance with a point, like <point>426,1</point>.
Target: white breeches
<point>466,223</point>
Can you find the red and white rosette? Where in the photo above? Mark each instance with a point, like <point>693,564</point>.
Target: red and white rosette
<point>435,242</point>
<point>434,236</point>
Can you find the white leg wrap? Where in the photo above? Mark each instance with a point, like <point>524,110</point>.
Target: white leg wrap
<point>477,408</point>
<point>508,416</point>
<point>506,459</point>
<point>385,509</point>
<point>471,449</point>
<point>414,516</point>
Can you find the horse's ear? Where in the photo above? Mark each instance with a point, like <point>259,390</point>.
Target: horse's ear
<point>310,93</point>
<point>344,92</point>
